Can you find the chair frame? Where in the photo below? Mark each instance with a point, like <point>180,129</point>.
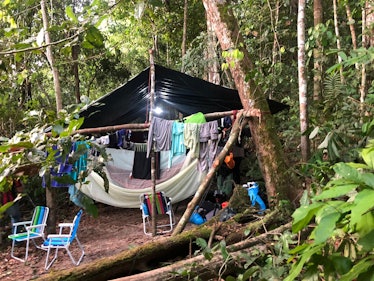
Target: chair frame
<point>32,231</point>
<point>146,214</point>
<point>64,241</point>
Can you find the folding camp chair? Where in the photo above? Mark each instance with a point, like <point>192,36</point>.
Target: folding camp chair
<point>29,230</point>
<point>163,207</point>
<point>63,241</point>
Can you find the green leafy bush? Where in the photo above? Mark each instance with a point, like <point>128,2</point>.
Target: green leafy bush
<point>341,217</point>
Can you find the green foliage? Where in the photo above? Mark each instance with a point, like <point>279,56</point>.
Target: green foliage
<point>344,219</point>
<point>35,149</point>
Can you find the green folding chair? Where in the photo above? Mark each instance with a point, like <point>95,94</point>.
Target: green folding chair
<point>29,230</point>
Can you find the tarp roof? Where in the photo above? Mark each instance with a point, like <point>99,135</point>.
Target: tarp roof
<point>129,103</point>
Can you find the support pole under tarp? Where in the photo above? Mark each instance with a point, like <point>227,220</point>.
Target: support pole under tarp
<point>153,162</point>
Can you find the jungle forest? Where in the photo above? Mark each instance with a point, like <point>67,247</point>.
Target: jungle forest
<point>313,160</point>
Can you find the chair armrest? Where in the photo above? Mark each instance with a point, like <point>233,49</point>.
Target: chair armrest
<point>25,223</point>
<point>28,228</point>
<point>58,236</point>
<point>65,224</point>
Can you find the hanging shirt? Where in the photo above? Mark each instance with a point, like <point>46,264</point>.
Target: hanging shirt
<point>192,138</point>
<point>177,141</point>
<point>160,133</point>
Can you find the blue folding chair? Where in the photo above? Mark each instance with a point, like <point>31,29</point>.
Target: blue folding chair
<point>29,230</point>
<point>64,241</point>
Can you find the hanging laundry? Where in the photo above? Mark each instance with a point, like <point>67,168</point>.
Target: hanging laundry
<point>81,147</point>
<point>160,134</point>
<point>177,141</point>
<point>208,144</point>
<point>192,138</point>
<point>120,137</point>
<point>195,118</point>
<point>142,164</point>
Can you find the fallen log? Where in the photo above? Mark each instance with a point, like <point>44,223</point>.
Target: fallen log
<point>153,254</point>
<point>202,267</point>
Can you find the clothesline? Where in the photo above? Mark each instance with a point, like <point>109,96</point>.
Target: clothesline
<point>143,126</point>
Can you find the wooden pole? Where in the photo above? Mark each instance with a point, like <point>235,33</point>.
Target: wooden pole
<point>153,162</point>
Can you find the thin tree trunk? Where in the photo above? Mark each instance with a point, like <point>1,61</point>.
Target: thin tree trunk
<point>303,97</point>
<point>363,66</point>
<point>205,184</point>
<point>153,162</point>
<point>184,37</point>
<point>268,148</point>
<point>75,69</point>
<point>317,52</point>
<point>370,21</point>
<point>351,26</point>
<point>50,193</point>
<point>50,58</point>
<point>337,34</point>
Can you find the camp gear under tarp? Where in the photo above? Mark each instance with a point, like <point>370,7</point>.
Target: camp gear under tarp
<point>130,103</point>
<point>175,90</point>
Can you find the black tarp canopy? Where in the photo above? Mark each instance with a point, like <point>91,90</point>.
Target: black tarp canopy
<point>175,90</point>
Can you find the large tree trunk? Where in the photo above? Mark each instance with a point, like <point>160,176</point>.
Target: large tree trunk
<point>303,94</point>
<point>158,252</point>
<point>206,269</point>
<point>211,55</point>
<point>263,129</point>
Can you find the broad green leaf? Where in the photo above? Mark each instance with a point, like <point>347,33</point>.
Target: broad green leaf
<point>304,200</point>
<point>368,155</point>
<point>326,219</point>
<point>341,264</point>
<point>94,37</point>
<point>342,55</point>
<point>224,251</point>
<point>363,203</point>
<point>87,45</point>
<point>70,13</point>
<point>368,179</point>
<point>335,191</point>
<point>362,266</point>
<point>367,240</point>
<point>303,215</point>
<point>298,266</point>
<point>347,172</point>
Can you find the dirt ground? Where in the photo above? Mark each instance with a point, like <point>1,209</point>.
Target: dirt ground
<point>115,230</point>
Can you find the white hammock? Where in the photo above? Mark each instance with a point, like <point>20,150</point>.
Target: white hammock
<point>179,187</point>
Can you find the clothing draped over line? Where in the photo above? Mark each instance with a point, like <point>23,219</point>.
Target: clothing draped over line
<point>184,153</point>
<point>160,134</point>
<point>142,165</point>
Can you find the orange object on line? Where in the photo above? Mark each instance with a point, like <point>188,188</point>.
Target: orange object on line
<point>224,204</point>
<point>229,160</point>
